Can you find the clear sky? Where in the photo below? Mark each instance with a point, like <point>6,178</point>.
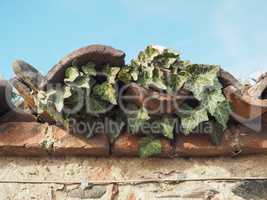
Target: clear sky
<point>232,33</point>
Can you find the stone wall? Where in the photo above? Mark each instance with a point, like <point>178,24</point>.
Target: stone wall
<point>133,178</point>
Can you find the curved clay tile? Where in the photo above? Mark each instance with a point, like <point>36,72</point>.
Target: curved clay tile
<point>4,90</point>
<point>249,104</point>
<point>98,54</point>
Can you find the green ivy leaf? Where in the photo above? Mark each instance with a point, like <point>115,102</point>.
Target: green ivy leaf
<point>149,60</point>
<point>111,73</point>
<point>81,82</point>
<point>134,74</point>
<point>212,101</point>
<point>41,107</point>
<point>201,78</point>
<point>158,79</point>
<point>42,99</point>
<point>146,57</point>
<point>67,92</point>
<point>71,74</point>
<point>58,99</point>
<point>89,69</point>
<point>165,59</point>
<point>146,77</point>
<point>189,123</point>
<point>152,51</point>
<point>137,119</point>
<point>106,92</point>
<point>124,75</point>
<point>149,147</point>
<point>176,81</point>
<point>221,113</point>
<point>97,106</point>
<point>167,126</point>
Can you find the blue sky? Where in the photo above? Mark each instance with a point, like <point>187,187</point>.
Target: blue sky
<point>232,33</point>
